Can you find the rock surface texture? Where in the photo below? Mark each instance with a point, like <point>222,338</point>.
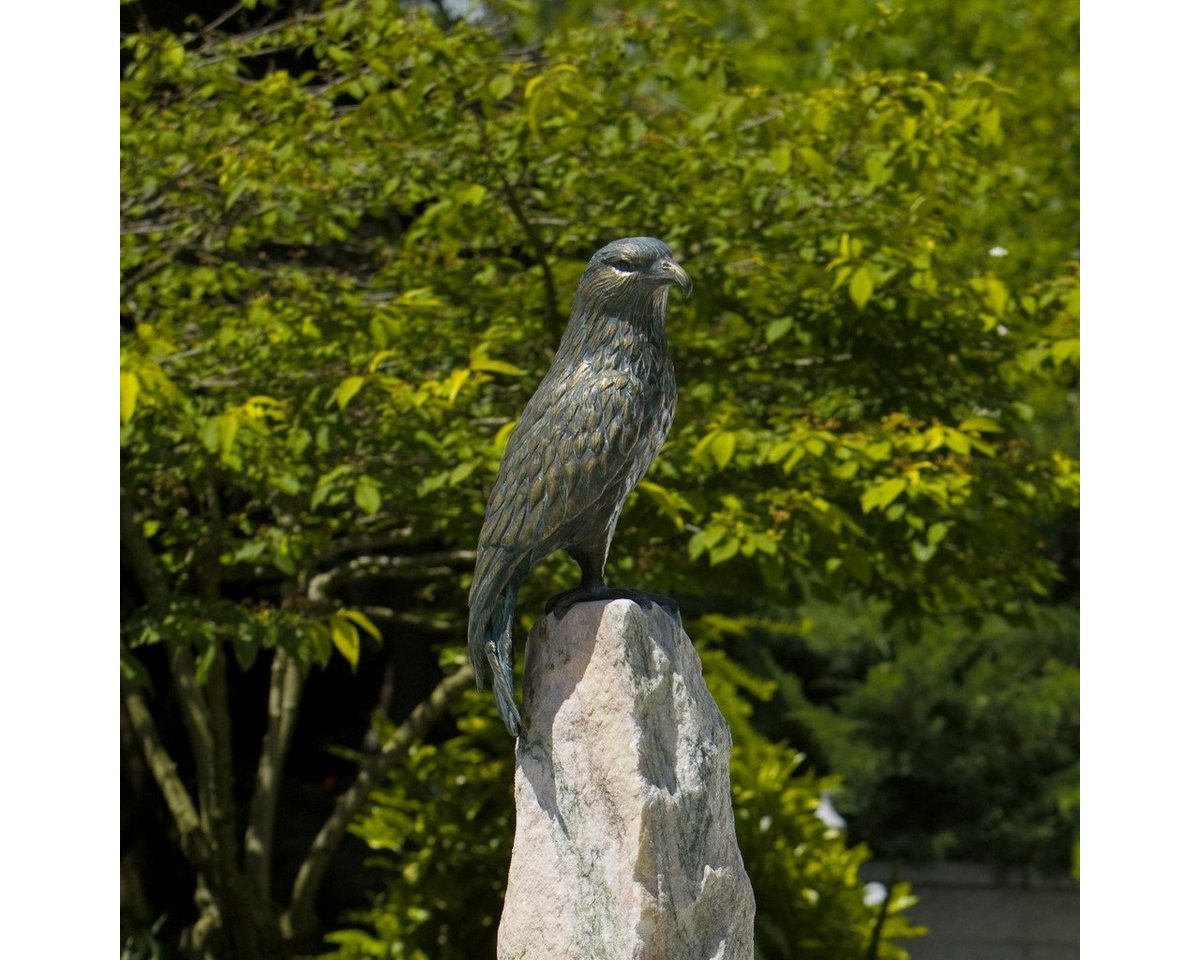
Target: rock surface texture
<point>625,846</point>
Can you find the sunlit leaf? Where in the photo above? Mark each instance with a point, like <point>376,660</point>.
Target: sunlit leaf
<point>363,621</point>
<point>487,364</point>
<point>501,85</point>
<point>777,328</point>
<point>129,394</point>
<point>861,287</point>
<point>367,496</point>
<point>981,425</point>
<point>347,390</point>
<point>882,494</point>
<point>723,446</point>
<point>345,638</point>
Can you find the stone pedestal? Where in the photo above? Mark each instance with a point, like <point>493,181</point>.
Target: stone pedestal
<point>625,846</point>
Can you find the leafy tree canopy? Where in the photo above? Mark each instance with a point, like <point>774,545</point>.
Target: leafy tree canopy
<point>341,286</point>
<point>349,241</point>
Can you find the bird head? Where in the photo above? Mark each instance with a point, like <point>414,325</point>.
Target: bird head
<point>636,265</point>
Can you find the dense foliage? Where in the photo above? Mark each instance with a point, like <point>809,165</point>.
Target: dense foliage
<point>962,744</point>
<point>1028,48</point>
<point>349,242</point>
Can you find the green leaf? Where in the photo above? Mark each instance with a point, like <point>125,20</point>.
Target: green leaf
<point>488,365</point>
<point>363,621</point>
<point>858,564</point>
<point>664,500</point>
<point>815,162</point>
<point>205,661</point>
<point>861,287</point>
<point>380,357</point>
<point>781,158</point>
<point>501,85</point>
<point>727,549</point>
<point>1065,351</point>
<point>722,448</point>
<point>367,496</point>
<point>500,441</point>
<point>330,483</point>
<point>282,558</point>
<point>997,295</point>
<point>777,328</point>
<point>249,551</point>
<point>882,494</point>
<point>133,670</point>
<point>923,551</point>
<point>317,644</point>
<point>129,395</point>
<point>287,483</point>
<point>227,430</point>
<point>981,425</point>
<point>245,651</point>
<point>957,442</point>
<point>347,389</point>
<point>473,195</point>
<point>455,383</point>
<point>345,638</point>
<point>989,126</point>
<point>780,450</point>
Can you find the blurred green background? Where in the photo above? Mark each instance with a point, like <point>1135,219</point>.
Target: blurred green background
<point>350,235</point>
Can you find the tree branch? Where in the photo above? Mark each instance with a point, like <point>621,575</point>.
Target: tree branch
<point>195,843</point>
<point>140,556</point>
<point>211,27</point>
<point>283,703</point>
<point>414,622</point>
<point>299,916</point>
<point>183,666</point>
<point>220,809</point>
<point>442,562</point>
<point>222,814</point>
<point>396,539</point>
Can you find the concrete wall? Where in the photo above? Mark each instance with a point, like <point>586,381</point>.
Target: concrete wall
<point>973,914</point>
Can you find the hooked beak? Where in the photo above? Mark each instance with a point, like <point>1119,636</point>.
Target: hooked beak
<point>668,271</point>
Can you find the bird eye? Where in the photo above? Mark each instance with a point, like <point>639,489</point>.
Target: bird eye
<point>624,264</point>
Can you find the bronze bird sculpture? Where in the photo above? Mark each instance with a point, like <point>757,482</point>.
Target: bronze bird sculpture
<point>585,439</point>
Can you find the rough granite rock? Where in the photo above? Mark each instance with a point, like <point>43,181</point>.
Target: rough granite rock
<point>625,846</point>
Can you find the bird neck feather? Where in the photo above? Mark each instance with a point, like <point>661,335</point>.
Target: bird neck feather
<point>609,329</point>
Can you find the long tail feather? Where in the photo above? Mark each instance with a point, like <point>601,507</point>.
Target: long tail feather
<point>492,604</point>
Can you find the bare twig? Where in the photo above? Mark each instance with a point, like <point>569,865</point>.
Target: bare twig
<point>759,121</point>
<point>246,36</point>
<point>209,28</point>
